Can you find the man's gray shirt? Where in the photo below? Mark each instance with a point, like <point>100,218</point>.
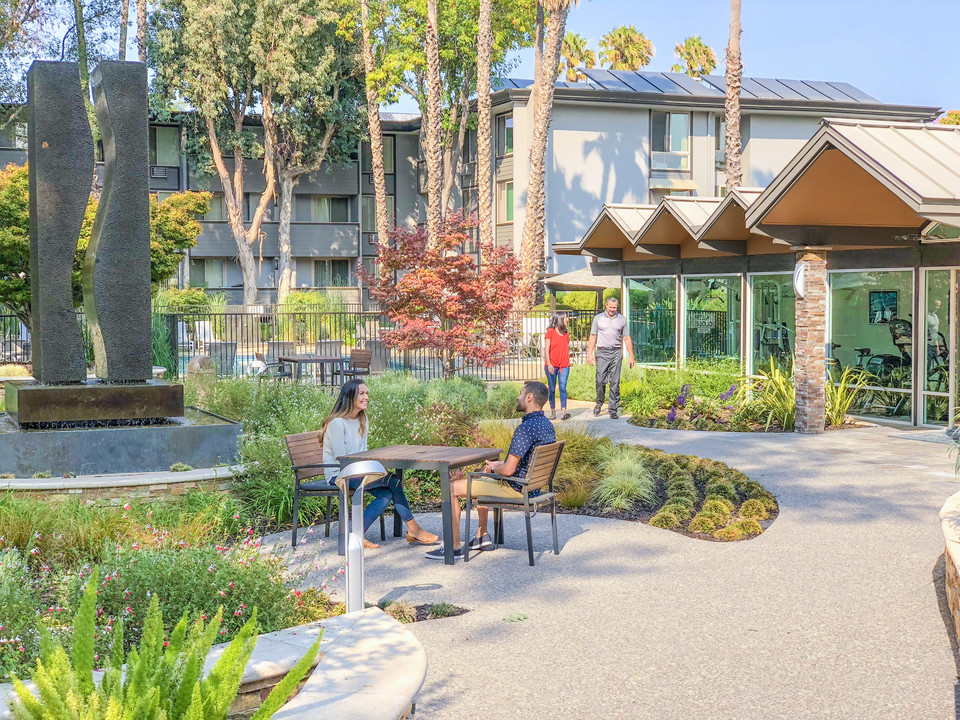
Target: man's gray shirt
<point>609,330</point>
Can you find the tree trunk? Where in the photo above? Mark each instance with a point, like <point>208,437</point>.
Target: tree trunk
<point>142,30</point>
<point>453,154</point>
<point>532,250</point>
<point>538,43</point>
<point>484,170</point>
<point>433,125</point>
<point>732,144</point>
<point>384,222</point>
<point>285,280</point>
<point>124,19</point>
<point>84,66</point>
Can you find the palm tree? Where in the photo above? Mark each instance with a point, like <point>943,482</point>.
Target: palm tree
<point>576,55</point>
<point>626,48</point>
<point>376,134</point>
<point>698,58</point>
<point>142,30</point>
<point>532,249</point>
<point>731,105</point>
<point>484,169</point>
<point>433,125</point>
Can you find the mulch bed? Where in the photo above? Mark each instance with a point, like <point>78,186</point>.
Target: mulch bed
<point>424,610</point>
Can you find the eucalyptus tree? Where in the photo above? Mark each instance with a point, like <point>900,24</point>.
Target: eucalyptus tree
<point>626,48</point>
<point>697,57</point>
<point>734,76</point>
<point>533,248</point>
<point>204,57</point>
<point>310,72</point>
<point>484,170</point>
<point>576,54</point>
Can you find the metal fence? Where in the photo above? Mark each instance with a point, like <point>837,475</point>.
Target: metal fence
<point>233,337</point>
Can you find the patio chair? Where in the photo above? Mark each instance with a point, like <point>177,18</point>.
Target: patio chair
<point>203,335</point>
<point>276,348</point>
<point>272,370</point>
<point>306,460</point>
<point>358,366</point>
<point>543,466</point>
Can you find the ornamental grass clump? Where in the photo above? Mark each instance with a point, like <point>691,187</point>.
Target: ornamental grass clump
<point>625,480</point>
<point>754,490</point>
<point>401,611</point>
<point>666,518</point>
<point>842,391</point>
<point>161,679</point>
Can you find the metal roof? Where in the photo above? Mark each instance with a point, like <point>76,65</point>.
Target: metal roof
<point>626,218</point>
<point>670,83</point>
<point>919,163</point>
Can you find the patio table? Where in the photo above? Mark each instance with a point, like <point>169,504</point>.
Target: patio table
<point>429,457</point>
<point>298,361</point>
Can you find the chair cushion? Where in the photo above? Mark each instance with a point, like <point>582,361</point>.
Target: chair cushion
<point>319,486</point>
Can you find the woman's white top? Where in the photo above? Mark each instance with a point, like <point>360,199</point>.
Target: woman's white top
<point>342,437</point>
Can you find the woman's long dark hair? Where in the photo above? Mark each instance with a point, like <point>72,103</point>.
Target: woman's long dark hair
<point>558,321</point>
<point>343,407</point>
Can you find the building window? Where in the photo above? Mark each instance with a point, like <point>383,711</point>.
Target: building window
<point>207,273</point>
<point>871,328</point>
<point>389,150</point>
<point>470,147</point>
<point>216,213</point>
<point>670,141</point>
<point>250,202</point>
<point>504,135</point>
<point>331,272</point>
<point>164,194</point>
<point>504,203</point>
<point>720,155</point>
<point>713,317</point>
<point>368,212</point>
<point>321,209</point>
<point>653,319</point>
<point>165,146</point>
<point>774,322</point>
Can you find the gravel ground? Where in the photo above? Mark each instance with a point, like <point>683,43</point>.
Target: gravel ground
<point>832,613</point>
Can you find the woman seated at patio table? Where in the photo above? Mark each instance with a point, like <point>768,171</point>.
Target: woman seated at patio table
<point>344,432</point>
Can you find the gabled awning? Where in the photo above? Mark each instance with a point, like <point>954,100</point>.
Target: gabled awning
<point>671,229</point>
<point>726,230</point>
<point>610,237</point>
<point>864,184</point>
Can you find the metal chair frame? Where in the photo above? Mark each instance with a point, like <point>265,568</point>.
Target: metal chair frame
<point>540,474</point>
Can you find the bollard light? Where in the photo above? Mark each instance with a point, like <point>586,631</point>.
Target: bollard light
<point>368,471</point>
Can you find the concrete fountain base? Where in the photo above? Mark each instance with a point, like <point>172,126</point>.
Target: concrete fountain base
<point>199,439</point>
<point>30,403</point>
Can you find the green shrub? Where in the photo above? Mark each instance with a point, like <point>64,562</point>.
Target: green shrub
<point>719,499</point>
<point>680,509</point>
<point>755,491</point>
<point>704,523</point>
<point>753,509</point>
<point>441,610</point>
<point>182,299</point>
<point>666,519</point>
<point>625,480</point>
<point>730,532</point>
<point>748,526</point>
<point>723,488</point>
<point>20,597</point>
<point>502,400</point>
<point>773,398</point>
<point>460,393</point>
<point>161,679</point>
<point>180,467</point>
<point>718,508</point>
<point>841,393</point>
<point>13,371</point>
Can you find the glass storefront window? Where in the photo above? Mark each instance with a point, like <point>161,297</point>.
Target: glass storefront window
<point>936,356</point>
<point>713,317</point>
<point>653,319</point>
<point>774,327</point>
<point>871,328</point>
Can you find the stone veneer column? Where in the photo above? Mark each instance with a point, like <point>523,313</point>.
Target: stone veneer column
<point>810,364</point>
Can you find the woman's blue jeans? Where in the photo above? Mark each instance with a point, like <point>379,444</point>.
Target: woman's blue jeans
<point>387,488</point>
<point>559,376</point>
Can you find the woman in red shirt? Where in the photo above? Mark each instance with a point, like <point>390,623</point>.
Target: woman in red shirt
<point>556,353</point>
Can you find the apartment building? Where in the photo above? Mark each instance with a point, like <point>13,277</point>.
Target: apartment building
<point>616,138</point>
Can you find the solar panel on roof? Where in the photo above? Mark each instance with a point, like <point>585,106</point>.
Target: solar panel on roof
<point>828,90</point>
<point>758,90</point>
<point>716,81</point>
<point>855,93</point>
<point>692,85</point>
<point>663,83</point>
<point>640,82</point>
<point>777,87</point>
<point>606,79</point>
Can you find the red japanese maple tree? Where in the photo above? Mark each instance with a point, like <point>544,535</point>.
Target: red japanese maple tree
<point>441,299</point>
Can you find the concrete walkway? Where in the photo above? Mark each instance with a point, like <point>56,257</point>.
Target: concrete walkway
<point>833,612</point>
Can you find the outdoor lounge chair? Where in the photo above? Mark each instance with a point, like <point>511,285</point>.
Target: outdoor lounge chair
<point>224,355</point>
<point>203,335</point>
<point>358,366</point>
<point>306,460</point>
<point>543,466</point>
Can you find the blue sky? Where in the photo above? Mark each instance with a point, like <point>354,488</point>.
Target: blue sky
<point>898,52</point>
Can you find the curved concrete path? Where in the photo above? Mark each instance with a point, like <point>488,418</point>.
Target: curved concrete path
<point>833,612</point>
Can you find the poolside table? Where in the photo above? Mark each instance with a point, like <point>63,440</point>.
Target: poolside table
<point>430,457</point>
<point>298,361</point>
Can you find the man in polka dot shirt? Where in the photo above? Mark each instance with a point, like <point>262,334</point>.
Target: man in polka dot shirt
<point>535,429</point>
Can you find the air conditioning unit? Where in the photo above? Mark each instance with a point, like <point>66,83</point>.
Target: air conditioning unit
<point>158,171</point>
<point>370,178</point>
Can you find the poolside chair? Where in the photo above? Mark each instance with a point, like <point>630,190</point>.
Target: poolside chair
<point>203,335</point>
<point>358,366</point>
<point>272,370</point>
<point>306,460</point>
<point>543,466</point>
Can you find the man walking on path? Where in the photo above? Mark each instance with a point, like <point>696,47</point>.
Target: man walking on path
<point>608,338</point>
